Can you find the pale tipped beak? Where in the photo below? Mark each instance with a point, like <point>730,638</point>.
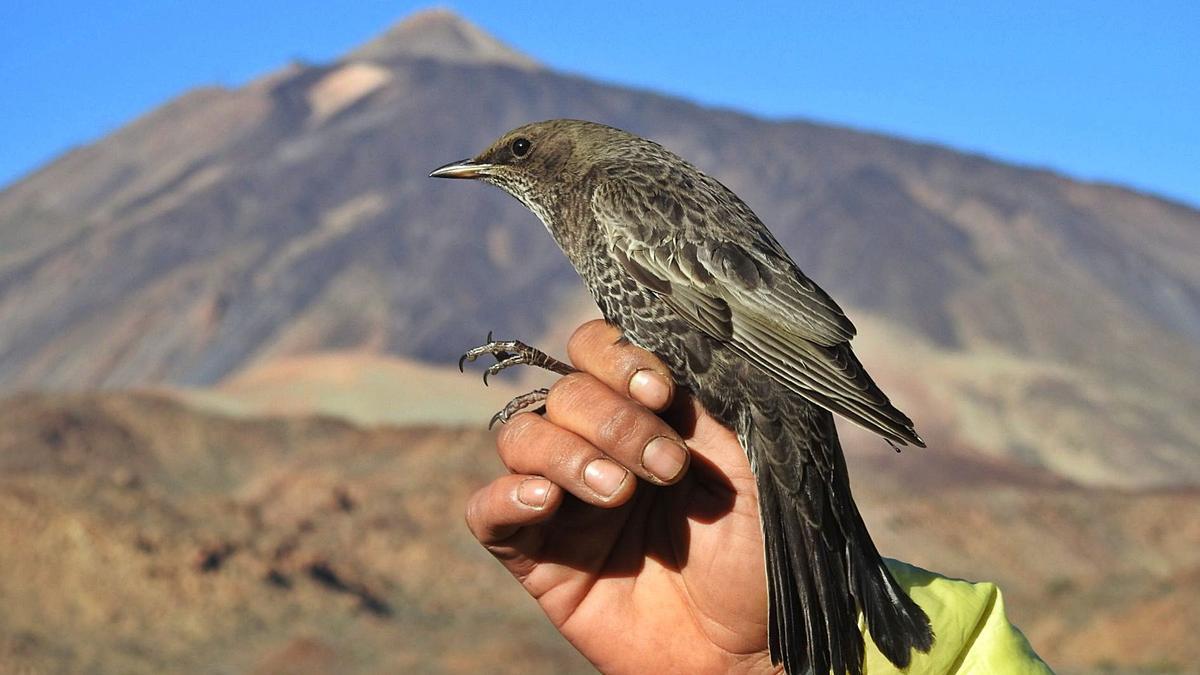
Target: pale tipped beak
<point>463,168</point>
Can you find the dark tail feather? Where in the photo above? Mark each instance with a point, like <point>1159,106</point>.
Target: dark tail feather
<point>822,566</point>
<point>897,624</point>
<point>813,623</point>
<point>784,605</point>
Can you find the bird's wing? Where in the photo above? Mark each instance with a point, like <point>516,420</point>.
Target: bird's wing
<point>744,290</point>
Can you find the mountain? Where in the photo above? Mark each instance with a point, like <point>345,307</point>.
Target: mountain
<point>141,536</point>
<point>1015,312</point>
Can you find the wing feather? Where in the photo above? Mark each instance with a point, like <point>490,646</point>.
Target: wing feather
<point>747,292</point>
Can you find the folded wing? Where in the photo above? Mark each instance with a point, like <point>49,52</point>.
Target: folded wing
<point>744,290</point>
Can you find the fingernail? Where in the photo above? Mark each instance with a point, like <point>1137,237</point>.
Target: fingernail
<point>664,458</point>
<point>604,476</point>
<point>533,492</point>
<point>650,389</point>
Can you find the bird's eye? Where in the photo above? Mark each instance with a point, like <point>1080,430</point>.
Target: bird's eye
<point>520,147</point>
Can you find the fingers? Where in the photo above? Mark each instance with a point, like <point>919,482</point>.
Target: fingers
<point>596,348</point>
<point>497,511</point>
<point>623,430</point>
<point>529,444</point>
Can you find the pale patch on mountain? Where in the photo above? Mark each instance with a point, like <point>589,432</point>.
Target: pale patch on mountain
<point>341,88</point>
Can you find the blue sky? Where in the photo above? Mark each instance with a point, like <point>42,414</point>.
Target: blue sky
<point>1099,90</point>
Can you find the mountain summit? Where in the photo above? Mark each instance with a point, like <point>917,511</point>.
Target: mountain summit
<point>440,34</point>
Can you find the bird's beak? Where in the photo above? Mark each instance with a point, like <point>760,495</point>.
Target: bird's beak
<point>463,168</point>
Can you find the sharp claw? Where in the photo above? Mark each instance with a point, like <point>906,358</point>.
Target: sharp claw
<point>511,353</point>
<point>495,368</point>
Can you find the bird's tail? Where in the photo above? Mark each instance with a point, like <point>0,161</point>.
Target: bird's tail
<point>822,567</point>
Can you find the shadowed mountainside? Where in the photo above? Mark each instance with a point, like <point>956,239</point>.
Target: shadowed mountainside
<point>138,535</point>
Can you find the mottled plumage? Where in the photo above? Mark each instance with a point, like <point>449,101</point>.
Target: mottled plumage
<point>686,270</point>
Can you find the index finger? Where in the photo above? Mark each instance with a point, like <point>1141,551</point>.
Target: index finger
<point>597,348</point>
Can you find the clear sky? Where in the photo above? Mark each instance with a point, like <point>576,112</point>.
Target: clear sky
<point>1099,90</point>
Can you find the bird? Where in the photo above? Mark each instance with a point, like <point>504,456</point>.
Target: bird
<point>686,270</point>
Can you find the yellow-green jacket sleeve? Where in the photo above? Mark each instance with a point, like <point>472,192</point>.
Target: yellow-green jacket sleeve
<point>972,634</point>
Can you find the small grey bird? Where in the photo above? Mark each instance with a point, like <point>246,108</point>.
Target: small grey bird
<point>687,271</point>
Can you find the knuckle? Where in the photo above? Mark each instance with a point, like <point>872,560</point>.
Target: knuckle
<point>474,513</point>
<point>570,391</point>
<point>516,433</point>
<point>565,460</point>
<point>586,337</point>
<point>620,428</point>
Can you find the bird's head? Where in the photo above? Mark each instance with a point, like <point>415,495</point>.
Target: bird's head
<point>538,162</point>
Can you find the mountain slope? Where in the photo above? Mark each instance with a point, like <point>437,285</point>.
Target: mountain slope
<point>232,227</point>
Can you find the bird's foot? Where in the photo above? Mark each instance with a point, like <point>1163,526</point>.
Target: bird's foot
<point>511,353</point>
<point>520,404</point>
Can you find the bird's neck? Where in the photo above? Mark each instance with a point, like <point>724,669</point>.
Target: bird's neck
<point>568,218</point>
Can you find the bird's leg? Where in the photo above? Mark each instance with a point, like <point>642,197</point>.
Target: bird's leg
<point>511,353</point>
<point>520,404</point>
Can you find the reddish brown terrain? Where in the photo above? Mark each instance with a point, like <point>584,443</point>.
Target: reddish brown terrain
<point>137,536</point>
<point>140,536</point>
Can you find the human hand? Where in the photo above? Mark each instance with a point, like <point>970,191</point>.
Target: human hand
<point>663,574</point>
